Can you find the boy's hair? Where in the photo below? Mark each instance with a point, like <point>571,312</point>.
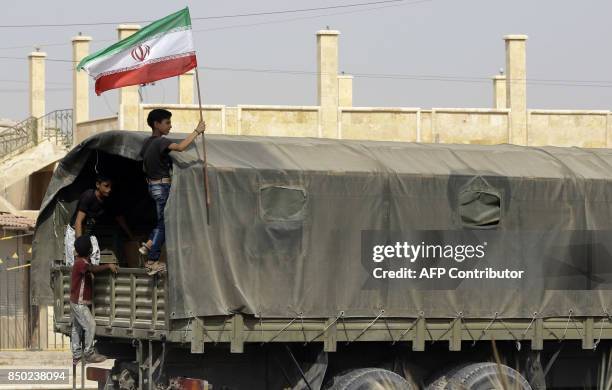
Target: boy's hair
<point>101,178</point>
<point>82,245</point>
<point>157,115</point>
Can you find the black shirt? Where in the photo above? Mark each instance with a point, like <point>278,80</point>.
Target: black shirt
<point>94,210</point>
<point>155,160</point>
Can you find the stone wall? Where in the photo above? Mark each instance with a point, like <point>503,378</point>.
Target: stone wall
<point>589,129</point>
<point>87,128</point>
<point>437,125</point>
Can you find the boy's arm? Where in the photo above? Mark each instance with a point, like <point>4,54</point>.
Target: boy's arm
<point>187,141</point>
<point>78,224</point>
<point>101,268</point>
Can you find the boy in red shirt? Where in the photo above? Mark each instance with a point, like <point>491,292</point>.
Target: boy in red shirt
<point>80,300</point>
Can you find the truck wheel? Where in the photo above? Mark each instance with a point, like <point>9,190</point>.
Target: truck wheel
<point>481,376</point>
<point>370,378</point>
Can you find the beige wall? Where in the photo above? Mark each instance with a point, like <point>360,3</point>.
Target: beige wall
<point>465,126</point>
<point>437,125</point>
<point>569,128</point>
<point>508,121</point>
<point>88,128</point>
<point>279,121</point>
<point>17,194</point>
<point>185,117</point>
<point>385,124</point>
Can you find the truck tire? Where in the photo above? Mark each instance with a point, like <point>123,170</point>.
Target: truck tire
<point>370,378</point>
<point>480,376</point>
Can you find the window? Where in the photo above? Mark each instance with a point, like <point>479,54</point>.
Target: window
<point>479,208</point>
<point>278,203</point>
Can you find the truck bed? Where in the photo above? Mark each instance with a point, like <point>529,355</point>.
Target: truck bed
<point>132,305</point>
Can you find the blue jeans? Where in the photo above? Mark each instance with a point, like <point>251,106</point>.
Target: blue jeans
<point>159,193</point>
<point>83,326</point>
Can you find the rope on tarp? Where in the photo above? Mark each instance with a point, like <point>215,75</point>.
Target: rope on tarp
<point>187,329</point>
<point>535,315</point>
<point>484,331</point>
<point>466,327</point>
<point>406,331</point>
<point>301,315</point>
<point>282,330</point>
<point>345,331</point>
<point>577,329</point>
<point>261,328</point>
<point>600,332</point>
<point>569,318</point>
<point>328,326</point>
<point>388,329</point>
<point>367,327</point>
<point>446,331</point>
<point>222,329</point>
<point>516,340</point>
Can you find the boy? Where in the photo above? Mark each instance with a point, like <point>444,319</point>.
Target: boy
<point>157,166</point>
<point>93,204</point>
<point>80,300</point>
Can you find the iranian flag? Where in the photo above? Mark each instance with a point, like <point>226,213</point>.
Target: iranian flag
<point>160,50</point>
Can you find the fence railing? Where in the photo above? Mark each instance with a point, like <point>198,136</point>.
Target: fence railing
<point>23,326</point>
<point>19,137</point>
<point>55,126</point>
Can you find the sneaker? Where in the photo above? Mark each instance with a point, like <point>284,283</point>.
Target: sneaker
<point>95,358</point>
<point>156,267</point>
<point>144,249</point>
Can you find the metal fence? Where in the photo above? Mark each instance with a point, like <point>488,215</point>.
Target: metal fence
<point>18,138</point>
<point>14,289</point>
<point>55,126</point>
<point>23,326</point>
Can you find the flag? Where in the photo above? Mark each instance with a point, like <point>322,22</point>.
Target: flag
<point>160,50</point>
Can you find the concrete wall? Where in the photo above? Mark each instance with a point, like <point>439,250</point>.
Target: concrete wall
<point>436,125</point>
<point>289,121</point>
<point>385,124</point>
<point>589,129</point>
<point>279,121</point>
<point>507,121</point>
<point>470,126</point>
<point>185,117</point>
<point>17,194</point>
<point>88,128</point>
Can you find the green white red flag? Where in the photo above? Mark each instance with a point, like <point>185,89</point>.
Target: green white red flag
<point>160,50</point>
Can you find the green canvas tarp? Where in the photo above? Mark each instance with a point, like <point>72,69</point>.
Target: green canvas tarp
<point>288,218</point>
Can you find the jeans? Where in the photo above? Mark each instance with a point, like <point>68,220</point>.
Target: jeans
<point>84,323</point>
<point>159,193</point>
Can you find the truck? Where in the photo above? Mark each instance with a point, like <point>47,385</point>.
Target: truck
<point>301,263</point>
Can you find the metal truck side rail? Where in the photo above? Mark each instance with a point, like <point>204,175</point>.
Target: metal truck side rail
<point>132,305</point>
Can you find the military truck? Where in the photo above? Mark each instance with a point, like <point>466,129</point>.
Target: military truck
<point>279,282</point>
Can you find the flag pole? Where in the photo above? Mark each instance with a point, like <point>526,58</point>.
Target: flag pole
<point>205,161</point>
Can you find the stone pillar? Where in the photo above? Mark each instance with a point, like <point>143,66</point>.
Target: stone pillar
<point>345,90</point>
<point>37,88</point>
<point>80,83</point>
<point>516,87</point>
<point>499,92</point>
<point>186,83</point>
<point>327,85</point>
<point>129,100</point>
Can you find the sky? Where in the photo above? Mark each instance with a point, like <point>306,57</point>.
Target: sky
<point>431,53</point>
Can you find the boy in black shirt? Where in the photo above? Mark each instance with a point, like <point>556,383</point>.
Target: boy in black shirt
<point>93,205</point>
<point>157,165</point>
